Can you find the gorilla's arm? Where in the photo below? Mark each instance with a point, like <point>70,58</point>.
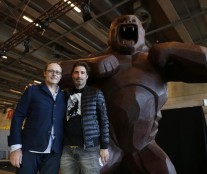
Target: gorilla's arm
<point>180,61</point>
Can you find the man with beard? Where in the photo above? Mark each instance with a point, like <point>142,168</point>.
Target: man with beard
<point>86,126</point>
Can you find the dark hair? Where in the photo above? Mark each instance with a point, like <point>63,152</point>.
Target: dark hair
<point>45,69</point>
<point>84,64</point>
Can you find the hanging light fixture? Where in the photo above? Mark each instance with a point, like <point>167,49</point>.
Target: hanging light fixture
<point>86,12</point>
<point>27,45</point>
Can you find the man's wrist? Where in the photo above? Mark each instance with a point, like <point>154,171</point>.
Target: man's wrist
<point>15,147</point>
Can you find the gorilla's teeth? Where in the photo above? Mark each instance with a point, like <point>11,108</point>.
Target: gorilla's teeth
<point>128,42</point>
<point>124,29</point>
<point>133,28</point>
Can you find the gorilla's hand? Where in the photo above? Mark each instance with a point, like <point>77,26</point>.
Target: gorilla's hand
<point>104,66</point>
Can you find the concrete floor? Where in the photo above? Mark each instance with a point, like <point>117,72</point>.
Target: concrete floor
<point>5,172</point>
<point>6,168</point>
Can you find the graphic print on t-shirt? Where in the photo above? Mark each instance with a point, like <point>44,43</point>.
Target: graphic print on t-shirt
<point>73,108</point>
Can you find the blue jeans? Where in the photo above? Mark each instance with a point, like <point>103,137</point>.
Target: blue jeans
<point>76,160</point>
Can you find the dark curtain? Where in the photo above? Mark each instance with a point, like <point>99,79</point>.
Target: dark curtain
<point>182,135</point>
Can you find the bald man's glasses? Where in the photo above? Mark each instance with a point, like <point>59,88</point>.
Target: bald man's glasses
<point>51,71</point>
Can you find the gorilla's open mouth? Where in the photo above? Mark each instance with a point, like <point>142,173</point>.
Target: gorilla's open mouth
<point>128,34</point>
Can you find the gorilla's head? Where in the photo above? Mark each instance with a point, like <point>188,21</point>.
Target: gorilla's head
<point>126,35</point>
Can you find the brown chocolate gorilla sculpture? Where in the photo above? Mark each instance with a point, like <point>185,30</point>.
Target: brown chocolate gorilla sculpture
<point>134,82</point>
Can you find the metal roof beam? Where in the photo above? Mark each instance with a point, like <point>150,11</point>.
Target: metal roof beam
<point>172,15</point>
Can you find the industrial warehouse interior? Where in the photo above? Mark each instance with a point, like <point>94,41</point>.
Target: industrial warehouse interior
<point>34,32</point>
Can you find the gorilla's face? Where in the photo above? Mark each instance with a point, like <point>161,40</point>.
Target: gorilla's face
<point>126,35</point>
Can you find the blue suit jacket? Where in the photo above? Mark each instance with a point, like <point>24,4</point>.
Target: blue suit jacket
<point>39,110</point>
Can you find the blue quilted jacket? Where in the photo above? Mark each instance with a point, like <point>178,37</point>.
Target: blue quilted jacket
<point>95,123</point>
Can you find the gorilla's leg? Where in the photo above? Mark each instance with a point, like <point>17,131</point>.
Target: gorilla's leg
<point>150,160</point>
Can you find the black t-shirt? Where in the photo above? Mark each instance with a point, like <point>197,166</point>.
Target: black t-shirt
<point>73,126</point>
